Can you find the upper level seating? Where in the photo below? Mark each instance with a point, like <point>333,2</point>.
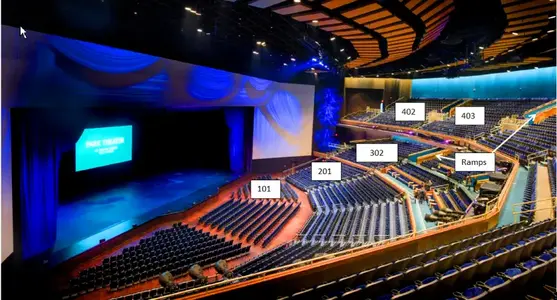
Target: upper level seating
<point>529,194</point>
<point>404,150</point>
<point>362,116</point>
<point>530,139</point>
<point>494,111</point>
<point>302,177</point>
<point>259,221</point>
<point>350,155</point>
<point>438,272</point>
<point>175,249</point>
<point>388,117</point>
<point>455,199</point>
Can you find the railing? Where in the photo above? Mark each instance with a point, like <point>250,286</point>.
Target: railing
<point>520,212</point>
<point>539,154</point>
<point>391,104</point>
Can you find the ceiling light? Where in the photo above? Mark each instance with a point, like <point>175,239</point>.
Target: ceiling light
<point>315,21</point>
<point>255,52</point>
<point>487,61</point>
<point>208,33</point>
<point>409,72</point>
<point>313,69</point>
<point>534,39</point>
<point>333,38</point>
<point>258,43</point>
<point>297,1</point>
<point>377,75</point>
<point>349,57</point>
<point>342,50</point>
<point>193,11</point>
<point>536,68</point>
<point>550,31</point>
<point>511,50</point>
<point>263,44</point>
<point>285,64</point>
<point>448,65</point>
<point>292,59</point>
<point>199,30</point>
<point>508,71</point>
<point>471,53</point>
<point>188,9</point>
<point>514,33</point>
<point>552,17</point>
<point>481,48</point>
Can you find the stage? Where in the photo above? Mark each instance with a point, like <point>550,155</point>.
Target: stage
<point>82,224</point>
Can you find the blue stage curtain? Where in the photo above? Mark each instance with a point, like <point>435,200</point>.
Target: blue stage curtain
<point>102,58</point>
<point>207,84</point>
<point>235,122</point>
<point>38,187</point>
<point>286,111</point>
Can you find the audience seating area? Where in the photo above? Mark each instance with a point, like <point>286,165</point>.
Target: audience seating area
<point>359,210</point>
<point>302,177</point>
<point>258,221</point>
<point>455,199</point>
<point>286,191</point>
<point>388,116</point>
<point>174,249</point>
<point>552,169</point>
<point>494,111</point>
<point>529,194</point>
<point>436,165</point>
<point>514,254</point>
<point>422,174</point>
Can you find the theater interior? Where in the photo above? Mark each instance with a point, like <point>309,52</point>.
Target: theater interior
<point>278,149</point>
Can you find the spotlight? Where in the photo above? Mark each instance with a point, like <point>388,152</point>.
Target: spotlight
<point>188,9</point>
<point>342,50</point>
<point>534,39</point>
<point>471,53</point>
<point>199,30</point>
<point>297,1</point>
<point>514,33</point>
<point>292,59</point>
<point>448,65</point>
<point>258,43</point>
<point>314,59</point>
<point>481,48</point>
<point>552,17</point>
<point>315,21</point>
<point>333,38</point>
<point>285,64</point>
<point>377,75</point>
<point>349,57</point>
<point>409,72</point>
<point>263,44</point>
<point>255,52</point>
<point>313,69</point>
<point>550,31</point>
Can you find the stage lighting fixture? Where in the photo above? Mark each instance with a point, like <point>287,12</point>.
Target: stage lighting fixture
<point>314,59</point>
<point>188,9</point>
<point>349,57</point>
<point>292,59</point>
<point>550,31</point>
<point>534,39</point>
<point>255,52</point>
<point>312,69</point>
<point>314,21</point>
<point>199,30</point>
<point>258,43</point>
<point>342,50</point>
<point>514,33</point>
<point>481,48</point>
<point>196,272</point>
<point>166,280</point>
<point>297,1</point>
<point>333,38</point>
<point>222,268</point>
<point>285,64</point>
<point>263,44</point>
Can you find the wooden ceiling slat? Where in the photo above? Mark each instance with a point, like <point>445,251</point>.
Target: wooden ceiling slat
<point>292,9</point>
<point>337,3</point>
<point>528,20</point>
<point>375,16</point>
<point>412,3</point>
<point>398,33</point>
<point>423,6</point>
<point>437,9</point>
<point>391,28</point>
<point>521,14</point>
<point>525,33</point>
<point>524,27</point>
<point>528,5</point>
<point>439,16</point>
<point>347,32</point>
<point>402,37</point>
<point>336,27</point>
<point>362,10</point>
<point>328,22</point>
<point>356,37</point>
<point>384,22</point>
<point>310,17</point>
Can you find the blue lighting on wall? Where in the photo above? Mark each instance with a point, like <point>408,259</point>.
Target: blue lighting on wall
<point>327,104</point>
<point>509,85</point>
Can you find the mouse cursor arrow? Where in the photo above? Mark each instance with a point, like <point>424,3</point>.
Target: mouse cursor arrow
<point>22,32</point>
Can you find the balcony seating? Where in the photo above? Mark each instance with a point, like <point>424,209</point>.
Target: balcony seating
<point>552,169</point>
<point>388,116</point>
<point>422,174</point>
<point>174,249</point>
<point>440,271</point>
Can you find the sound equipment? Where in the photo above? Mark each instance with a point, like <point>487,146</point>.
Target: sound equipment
<point>222,267</point>
<point>166,280</point>
<point>196,272</point>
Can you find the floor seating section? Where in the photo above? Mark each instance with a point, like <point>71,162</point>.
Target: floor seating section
<point>529,194</point>
<point>515,254</point>
<point>441,167</point>
<point>258,221</point>
<point>494,111</point>
<point>530,139</point>
<point>174,249</point>
<point>388,116</point>
<point>286,191</point>
<point>302,178</point>
<point>359,210</point>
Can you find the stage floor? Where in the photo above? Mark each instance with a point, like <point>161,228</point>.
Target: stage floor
<point>81,224</point>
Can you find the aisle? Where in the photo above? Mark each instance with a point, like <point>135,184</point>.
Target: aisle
<point>416,210</point>
<point>515,196</point>
<point>543,191</point>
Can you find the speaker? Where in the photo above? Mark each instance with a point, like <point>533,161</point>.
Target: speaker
<point>222,267</point>
<point>196,272</point>
<point>166,280</point>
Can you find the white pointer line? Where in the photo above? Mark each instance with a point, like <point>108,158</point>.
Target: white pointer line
<point>512,134</point>
<point>439,157</point>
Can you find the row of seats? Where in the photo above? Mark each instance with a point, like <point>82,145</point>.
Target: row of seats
<point>455,200</point>
<point>358,225</point>
<point>436,165</point>
<point>174,249</point>
<point>286,191</point>
<point>494,111</point>
<point>388,117</point>
<point>256,220</point>
<point>552,169</point>
<point>529,194</point>
<point>422,174</point>
<point>440,271</point>
<point>302,177</point>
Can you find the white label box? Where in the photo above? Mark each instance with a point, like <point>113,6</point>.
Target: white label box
<point>483,162</point>
<point>470,116</point>
<point>326,171</point>
<point>265,189</point>
<point>409,111</point>
<point>376,152</point>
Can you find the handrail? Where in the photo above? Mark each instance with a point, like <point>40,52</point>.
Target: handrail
<point>391,104</point>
